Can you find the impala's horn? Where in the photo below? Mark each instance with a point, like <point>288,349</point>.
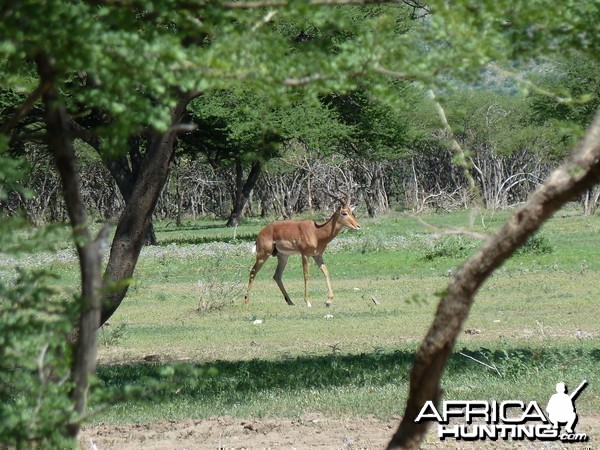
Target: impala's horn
<point>342,197</point>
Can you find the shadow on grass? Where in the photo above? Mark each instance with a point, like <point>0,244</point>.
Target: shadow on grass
<point>170,227</point>
<point>243,377</point>
<point>196,240</point>
<point>235,380</point>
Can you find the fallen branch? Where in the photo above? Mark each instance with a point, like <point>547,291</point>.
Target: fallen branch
<point>494,368</point>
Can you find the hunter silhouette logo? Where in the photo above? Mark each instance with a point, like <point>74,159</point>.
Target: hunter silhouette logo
<point>511,419</point>
<point>561,406</point>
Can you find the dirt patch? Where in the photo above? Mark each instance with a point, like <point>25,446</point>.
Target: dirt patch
<point>307,432</point>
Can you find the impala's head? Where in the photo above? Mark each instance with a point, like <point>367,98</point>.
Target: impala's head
<point>345,211</point>
<point>347,217</point>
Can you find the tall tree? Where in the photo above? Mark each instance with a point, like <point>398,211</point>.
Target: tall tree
<point>236,133</point>
<point>502,33</point>
<point>241,132</point>
<point>141,63</point>
<point>382,130</point>
<point>131,79</point>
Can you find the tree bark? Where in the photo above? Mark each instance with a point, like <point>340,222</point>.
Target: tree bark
<point>134,221</point>
<point>126,177</point>
<point>89,251</point>
<point>242,191</point>
<point>578,173</point>
<point>123,172</point>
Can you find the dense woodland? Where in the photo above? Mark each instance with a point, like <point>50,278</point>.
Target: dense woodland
<point>127,111</point>
<point>247,150</point>
<point>400,161</point>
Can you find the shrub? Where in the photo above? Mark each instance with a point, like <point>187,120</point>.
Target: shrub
<point>219,286</point>
<point>538,244</point>
<point>34,364</point>
<point>450,247</point>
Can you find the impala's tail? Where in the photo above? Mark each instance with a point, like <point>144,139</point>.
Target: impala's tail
<point>273,252</point>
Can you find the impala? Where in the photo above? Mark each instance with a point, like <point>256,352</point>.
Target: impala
<point>305,237</point>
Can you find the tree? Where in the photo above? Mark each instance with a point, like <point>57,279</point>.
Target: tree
<point>142,63</point>
<point>381,131</point>
<point>236,132</point>
<point>242,132</point>
<point>500,32</point>
<point>508,152</point>
<point>574,75</point>
<point>130,82</point>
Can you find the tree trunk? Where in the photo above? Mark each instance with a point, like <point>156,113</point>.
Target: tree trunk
<point>126,178</point>
<point>89,251</point>
<point>124,174</point>
<point>580,172</point>
<point>135,220</point>
<point>242,191</point>
<point>590,201</point>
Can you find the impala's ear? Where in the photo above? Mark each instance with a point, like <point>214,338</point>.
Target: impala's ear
<point>352,208</point>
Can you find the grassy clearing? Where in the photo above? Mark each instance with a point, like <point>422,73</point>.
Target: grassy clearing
<point>536,321</point>
<point>366,384</point>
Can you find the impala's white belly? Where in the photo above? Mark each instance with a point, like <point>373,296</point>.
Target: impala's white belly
<point>289,252</point>
<point>287,247</point>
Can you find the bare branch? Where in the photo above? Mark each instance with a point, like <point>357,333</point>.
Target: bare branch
<point>40,363</point>
<point>538,89</point>
<point>458,151</point>
<point>392,73</point>
<point>264,20</point>
<point>492,367</point>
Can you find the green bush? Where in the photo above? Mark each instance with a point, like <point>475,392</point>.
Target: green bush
<point>538,244</point>
<point>34,364</point>
<point>450,247</point>
<point>219,284</point>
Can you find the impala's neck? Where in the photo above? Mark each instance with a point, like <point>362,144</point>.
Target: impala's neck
<point>330,229</point>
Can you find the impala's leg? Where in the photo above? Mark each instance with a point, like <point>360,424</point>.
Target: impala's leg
<point>319,260</point>
<point>281,262</point>
<point>260,260</point>
<point>305,269</point>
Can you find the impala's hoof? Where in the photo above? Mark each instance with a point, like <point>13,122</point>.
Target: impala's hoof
<point>328,303</point>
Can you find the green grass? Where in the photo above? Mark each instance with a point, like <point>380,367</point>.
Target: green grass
<point>535,320</point>
<point>349,385</point>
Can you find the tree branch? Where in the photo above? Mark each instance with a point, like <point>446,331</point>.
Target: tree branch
<point>577,174</point>
<point>452,231</point>
<point>392,73</point>
<point>461,158</point>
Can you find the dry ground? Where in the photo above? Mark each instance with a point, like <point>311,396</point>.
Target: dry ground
<point>307,432</point>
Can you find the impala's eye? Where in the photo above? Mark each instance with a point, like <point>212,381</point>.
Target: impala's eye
<point>345,214</point>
